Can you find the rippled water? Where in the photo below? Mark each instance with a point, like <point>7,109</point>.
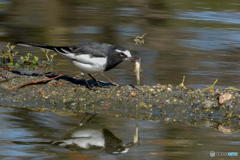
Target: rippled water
<point>196,38</point>
<point>23,133</point>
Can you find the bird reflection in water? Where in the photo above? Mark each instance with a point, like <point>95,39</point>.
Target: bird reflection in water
<point>85,138</point>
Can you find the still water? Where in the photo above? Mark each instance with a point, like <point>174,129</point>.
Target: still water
<point>24,135</point>
<point>196,38</point>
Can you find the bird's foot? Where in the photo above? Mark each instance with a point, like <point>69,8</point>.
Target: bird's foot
<point>88,86</point>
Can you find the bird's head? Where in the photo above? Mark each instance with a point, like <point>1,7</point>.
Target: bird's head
<point>123,53</point>
<point>117,55</point>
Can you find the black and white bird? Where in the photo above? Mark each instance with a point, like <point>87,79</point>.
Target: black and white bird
<point>93,139</point>
<point>90,58</point>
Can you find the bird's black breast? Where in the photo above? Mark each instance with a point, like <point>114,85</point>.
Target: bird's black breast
<point>112,61</point>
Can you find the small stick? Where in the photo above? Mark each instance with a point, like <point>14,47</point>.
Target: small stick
<point>233,88</point>
<point>133,86</point>
<point>212,86</point>
<point>85,119</point>
<point>182,83</point>
<point>44,80</point>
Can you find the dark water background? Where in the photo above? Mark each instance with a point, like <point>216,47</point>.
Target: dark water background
<point>196,38</point>
<point>157,140</point>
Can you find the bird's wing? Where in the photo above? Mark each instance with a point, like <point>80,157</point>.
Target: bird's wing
<point>110,138</point>
<point>93,49</point>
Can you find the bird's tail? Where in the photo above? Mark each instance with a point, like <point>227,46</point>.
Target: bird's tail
<point>34,45</point>
<point>64,50</point>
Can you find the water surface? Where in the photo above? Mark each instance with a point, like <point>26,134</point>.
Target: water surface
<point>157,140</point>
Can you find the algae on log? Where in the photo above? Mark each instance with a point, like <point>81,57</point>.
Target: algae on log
<point>158,102</point>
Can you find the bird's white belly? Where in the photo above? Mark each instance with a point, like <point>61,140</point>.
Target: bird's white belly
<point>85,139</point>
<point>91,65</point>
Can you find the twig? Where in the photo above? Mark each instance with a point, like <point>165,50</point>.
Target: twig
<point>86,118</point>
<point>44,80</point>
<point>182,83</point>
<point>5,69</point>
<point>233,88</point>
<point>135,87</point>
<point>212,86</point>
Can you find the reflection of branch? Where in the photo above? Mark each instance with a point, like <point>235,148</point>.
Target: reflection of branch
<point>86,118</point>
<point>39,81</point>
<point>136,136</point>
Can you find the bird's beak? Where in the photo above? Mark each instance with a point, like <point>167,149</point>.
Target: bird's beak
<point>132,59</point>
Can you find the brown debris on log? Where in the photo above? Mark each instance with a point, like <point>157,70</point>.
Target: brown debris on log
<point>34,82</point>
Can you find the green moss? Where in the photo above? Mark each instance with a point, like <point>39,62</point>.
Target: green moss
<point>11,59</point>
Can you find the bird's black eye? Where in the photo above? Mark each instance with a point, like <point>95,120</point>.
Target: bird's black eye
<point>122,55</point>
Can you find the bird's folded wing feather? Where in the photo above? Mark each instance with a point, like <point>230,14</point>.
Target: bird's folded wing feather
<point>95,49</point>
<point>92,49</point>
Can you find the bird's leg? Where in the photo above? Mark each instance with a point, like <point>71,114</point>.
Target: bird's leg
<point>109,79</point>
<point>94,79</point>
<point>86,81</point>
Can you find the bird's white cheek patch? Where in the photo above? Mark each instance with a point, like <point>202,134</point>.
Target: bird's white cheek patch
<point>126,52</point>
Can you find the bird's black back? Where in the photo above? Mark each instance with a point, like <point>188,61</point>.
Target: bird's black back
<point>93,48</point>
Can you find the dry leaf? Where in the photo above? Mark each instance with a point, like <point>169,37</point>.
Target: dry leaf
<point>224,130</point>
